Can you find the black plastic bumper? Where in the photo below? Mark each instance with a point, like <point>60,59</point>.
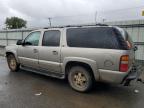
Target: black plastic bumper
<point>133,75</point>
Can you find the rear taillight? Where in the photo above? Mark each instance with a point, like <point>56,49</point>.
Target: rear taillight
<point>123,67</point>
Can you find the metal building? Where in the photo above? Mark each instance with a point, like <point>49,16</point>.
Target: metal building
<point>135,28</point>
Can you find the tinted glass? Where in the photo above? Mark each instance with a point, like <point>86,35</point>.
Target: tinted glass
<point>33,38</point>
<point>51,38</point>
<point>95,37</point>
<point>126,37</point>
<point>129,39</point>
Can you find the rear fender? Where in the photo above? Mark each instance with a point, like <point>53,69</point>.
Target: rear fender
<point>90,62</point>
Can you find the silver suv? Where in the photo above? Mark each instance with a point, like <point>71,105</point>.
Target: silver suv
<point>82,54</point>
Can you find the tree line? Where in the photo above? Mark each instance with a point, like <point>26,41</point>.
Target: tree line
<point>15,23</point>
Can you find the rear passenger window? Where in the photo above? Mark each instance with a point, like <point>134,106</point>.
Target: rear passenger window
<point>51,38</point>
<point>94,37</point>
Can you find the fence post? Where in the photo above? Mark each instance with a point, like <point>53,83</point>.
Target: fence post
<point>6,37</point>
<point>22,35</point>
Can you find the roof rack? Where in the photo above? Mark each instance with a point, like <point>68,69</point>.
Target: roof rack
<point>98,24</point>
<point>53,27</point>
<point>73,26</point>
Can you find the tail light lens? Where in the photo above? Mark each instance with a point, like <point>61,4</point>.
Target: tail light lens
<point>124,63</point>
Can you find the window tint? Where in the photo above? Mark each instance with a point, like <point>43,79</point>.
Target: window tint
<point>94,37</point>
<point>129,39</point>
<point>33,38</point>
<point>51,38</point>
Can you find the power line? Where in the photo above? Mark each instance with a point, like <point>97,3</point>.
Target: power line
<point>122,9</point>
<point>95,12</point>
<point>70,16</point>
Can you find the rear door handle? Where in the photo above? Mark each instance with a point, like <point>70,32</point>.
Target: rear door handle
<point>55,52</point>
<point>35,50</point>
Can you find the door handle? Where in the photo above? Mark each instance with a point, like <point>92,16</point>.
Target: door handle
<point>35,50</point>
<point>55,52</point>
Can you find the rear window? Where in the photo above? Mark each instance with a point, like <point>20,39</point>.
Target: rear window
<point>127,38</point>
<point>95,37</point>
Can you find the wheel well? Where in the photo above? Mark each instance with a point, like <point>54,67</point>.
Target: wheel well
<point>8,53</point>
<point>69,65</point>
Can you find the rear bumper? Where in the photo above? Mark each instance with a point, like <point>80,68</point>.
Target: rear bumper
<point>133,75</point>
<point>112,76</point>
<point>120,77</point>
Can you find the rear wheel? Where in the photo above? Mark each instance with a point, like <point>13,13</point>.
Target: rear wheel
<point>80,79</point>
<point>12,63</point>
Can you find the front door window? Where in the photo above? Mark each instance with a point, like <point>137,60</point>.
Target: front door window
<point>33,38</point>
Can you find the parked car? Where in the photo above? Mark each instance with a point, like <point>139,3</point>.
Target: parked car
<point>83,54</point>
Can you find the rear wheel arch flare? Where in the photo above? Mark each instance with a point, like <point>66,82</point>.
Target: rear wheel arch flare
<point>70,64</point>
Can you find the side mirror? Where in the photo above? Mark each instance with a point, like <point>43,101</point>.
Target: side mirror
<point>135,48</point>
<point>19,42</point>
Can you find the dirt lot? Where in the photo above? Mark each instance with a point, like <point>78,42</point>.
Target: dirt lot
<point>28,90</point>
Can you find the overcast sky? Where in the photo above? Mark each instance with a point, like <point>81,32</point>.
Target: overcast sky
<point>64,12</point>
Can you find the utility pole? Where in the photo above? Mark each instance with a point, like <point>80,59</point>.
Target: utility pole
<point>96,13</point>
<point>49,21</point>
<point>103,20</point>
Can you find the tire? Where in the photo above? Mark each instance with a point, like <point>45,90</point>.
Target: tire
<point>12,63</point>
<point>80,79</point>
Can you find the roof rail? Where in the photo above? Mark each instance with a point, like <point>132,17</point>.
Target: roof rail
<point>73,26</point>
<point>99,24</point>
<point>53,27</point>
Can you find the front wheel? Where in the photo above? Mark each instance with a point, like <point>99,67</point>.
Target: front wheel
<point>80,79</point>
<point>12,63</point>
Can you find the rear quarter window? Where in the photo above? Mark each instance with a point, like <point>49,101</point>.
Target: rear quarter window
<point>127,38</point>
<point>94,37</point>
